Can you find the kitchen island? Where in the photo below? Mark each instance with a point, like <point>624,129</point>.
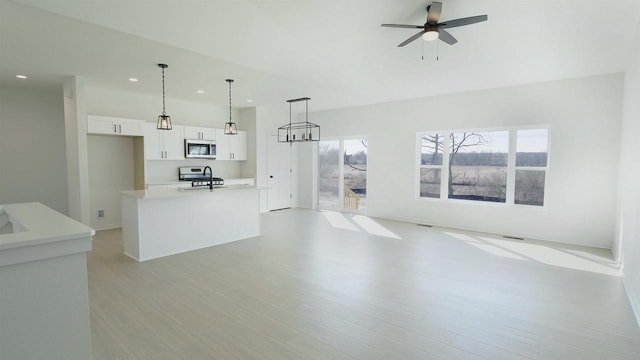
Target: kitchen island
<point>44,297</point>
<point>162,222</point>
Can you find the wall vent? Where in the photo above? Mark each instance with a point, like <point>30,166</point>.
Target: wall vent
<point>100,214</point>
<point>512,237</point>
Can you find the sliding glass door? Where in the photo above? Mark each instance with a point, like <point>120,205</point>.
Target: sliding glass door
<point>342,174</point>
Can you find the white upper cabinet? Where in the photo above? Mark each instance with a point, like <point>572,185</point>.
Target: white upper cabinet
<point>114,126</point>
<point>231,147</point>
<point>163,144</point>
<point>199,133</point>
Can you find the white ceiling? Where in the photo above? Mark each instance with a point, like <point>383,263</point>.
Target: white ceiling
<point>333,51</point>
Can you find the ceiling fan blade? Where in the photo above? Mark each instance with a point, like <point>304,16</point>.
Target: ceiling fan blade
<point>446,37</point>
<point>403,26</point>
<point>434,12</point>
<point>416,36</point>
<point>463,21</point>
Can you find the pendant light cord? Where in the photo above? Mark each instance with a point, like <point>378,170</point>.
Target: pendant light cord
<point>306,116</point>
<point>163,105</point>
<point>229,100</point>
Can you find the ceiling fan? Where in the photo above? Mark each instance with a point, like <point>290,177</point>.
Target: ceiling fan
<point>432,29</point>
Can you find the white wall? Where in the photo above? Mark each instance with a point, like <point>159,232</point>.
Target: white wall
<point>111,171</point>
<point>147,107</point>
<point>627,244</point>
<point>32,147</point>
<point>584,115</point>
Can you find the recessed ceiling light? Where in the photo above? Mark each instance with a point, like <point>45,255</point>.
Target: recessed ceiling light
<point>200,91</point>
<point>133,79</point>
<point>21,76</point>
<point>249,101</point>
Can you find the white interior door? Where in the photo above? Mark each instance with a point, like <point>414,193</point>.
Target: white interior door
<point>279,174</point>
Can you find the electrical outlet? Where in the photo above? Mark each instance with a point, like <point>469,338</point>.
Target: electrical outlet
<point>100,213</point>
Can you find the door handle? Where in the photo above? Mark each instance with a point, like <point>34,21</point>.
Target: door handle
<point>120,129</point>
<point>115,128</point>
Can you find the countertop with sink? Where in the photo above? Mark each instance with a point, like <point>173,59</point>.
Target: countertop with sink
<point>159,193</point>
<point>40,228</point>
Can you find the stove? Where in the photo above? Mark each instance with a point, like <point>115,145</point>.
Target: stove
<point>198,178</point>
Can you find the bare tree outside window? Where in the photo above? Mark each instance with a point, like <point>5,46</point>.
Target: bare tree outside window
<point>474,172</point>
<point>342,185</point>
<point>355,174</point>
<point>476,165</point>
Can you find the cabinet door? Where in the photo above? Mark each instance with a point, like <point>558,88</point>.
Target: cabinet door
<point>130,127</point>
<point>239,146</point>
<point>192,132</point>
<point>174,143</point>
<point>199,133</point>
<point>208,133</point>
<point>223,148</point>
<point>101,125</point>
<point>152,144</point>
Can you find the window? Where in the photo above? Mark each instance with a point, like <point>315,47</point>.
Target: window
<point>329,174</point>
<point>478,166</point>
<point>531,165</point>
<point>342,183</point>
<point>482,166</point>
<point>431,164</point>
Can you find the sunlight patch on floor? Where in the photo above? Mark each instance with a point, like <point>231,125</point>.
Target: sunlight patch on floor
<point>357,223</point>
<point>373,228</point>
<point>497,251</point>
<point>567,256</point>
<point>339,221</point>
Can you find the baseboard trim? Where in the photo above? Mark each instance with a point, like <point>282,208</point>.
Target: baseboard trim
<point>633,300</point>
<point>466,228</point>
<point>107,227</point>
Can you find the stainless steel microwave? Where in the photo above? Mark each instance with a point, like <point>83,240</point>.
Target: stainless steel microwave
<point>200,149</point>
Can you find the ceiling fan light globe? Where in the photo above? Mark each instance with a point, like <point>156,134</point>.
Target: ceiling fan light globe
<point>430,35</point>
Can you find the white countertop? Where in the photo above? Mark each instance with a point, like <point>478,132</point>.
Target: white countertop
<point>172,192</point>
<point>234,181</point>
<point>41,232</point>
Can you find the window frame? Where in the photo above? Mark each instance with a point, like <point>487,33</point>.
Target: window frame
<point>316,152</point>
<point>511,167</point>
<point>444,175</point>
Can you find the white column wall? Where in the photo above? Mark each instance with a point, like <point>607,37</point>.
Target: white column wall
<point>627,244</point>
<point>32,147</point>
<point>75,115</point>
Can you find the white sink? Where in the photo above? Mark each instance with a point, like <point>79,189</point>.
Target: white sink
<point>6,227</point>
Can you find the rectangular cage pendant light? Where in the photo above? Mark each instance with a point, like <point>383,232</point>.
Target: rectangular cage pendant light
<point>299,131</point>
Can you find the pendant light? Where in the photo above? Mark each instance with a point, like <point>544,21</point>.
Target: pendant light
<point>164,120</point>
<point>299,131</point>
<point>230,128</point>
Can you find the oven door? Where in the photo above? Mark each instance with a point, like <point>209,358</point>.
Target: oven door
<point>203,149</point>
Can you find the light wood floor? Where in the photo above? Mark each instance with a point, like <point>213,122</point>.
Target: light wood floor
<point>323,285</point>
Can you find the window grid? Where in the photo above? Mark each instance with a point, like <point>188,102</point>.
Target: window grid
<point>514,172</point>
